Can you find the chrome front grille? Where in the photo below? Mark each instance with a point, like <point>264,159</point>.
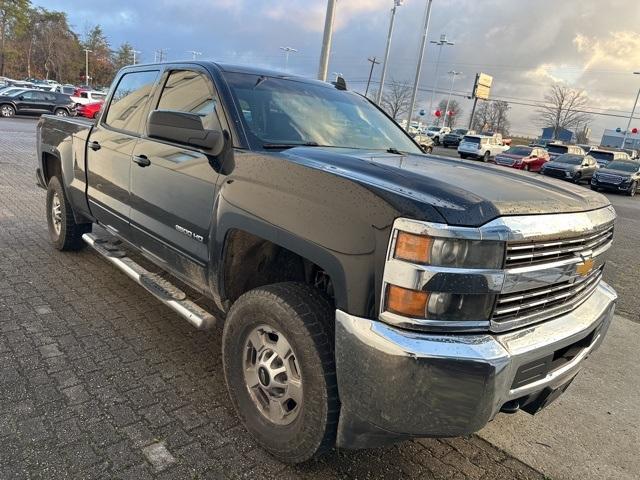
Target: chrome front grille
<point>521,254</point>
<point>546,302</point>
<point>608,178</point>
<point>505,161</point>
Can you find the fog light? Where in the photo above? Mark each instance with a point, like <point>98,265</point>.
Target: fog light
<point>403,301</point>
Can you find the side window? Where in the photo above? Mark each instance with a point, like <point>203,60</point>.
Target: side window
<point>189,91</point>
<point>84,95</point>
<point>50,97</point>
<point>29,96</point>
<point>129,100</point>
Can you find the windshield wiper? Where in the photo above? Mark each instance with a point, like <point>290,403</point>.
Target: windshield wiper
<point>280,146</point>
<point>395,151</point>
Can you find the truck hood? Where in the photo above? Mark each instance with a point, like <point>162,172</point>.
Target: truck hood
<point>463,192</point>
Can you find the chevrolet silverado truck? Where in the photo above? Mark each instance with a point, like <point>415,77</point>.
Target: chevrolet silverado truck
<point>370,293</point>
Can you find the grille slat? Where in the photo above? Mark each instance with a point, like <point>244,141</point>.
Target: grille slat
<point>531,253</point>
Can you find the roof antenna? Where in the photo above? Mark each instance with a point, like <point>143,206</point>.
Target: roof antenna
<point>340,83</point>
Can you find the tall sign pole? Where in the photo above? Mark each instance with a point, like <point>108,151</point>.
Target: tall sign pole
<point>427,16</point>
<point>326,40</point>
<point>385,62</point>
<point>374,62</point>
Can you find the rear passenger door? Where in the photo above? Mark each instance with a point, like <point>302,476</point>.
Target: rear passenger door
<point>110,146</point>
<point>173,186</point>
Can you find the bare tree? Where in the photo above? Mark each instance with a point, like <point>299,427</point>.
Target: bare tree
<point>563,109</point>
<point>450,120</point>
<point>582,133</point>
<point>396,99</point>
<point>492,116</point>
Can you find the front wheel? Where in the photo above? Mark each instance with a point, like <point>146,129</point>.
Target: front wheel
<point>486,156</point>
<point>277,351</point>
<point>633,189</point>
<point>64,232</point>
<point>7,110</point>
<point>436,141</point>
<point>463,156</point>
<point>61,112</point>
<point>578,178</point>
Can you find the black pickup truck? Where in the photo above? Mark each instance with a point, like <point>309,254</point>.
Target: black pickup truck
<point>370,293</point>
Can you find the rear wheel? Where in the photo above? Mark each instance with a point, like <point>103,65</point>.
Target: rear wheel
<point>436,141</point>
<point>64,232</point>
<point>277,351</point>
<point>7,110</point>
<point>61,112</point>
<point>486,156</point>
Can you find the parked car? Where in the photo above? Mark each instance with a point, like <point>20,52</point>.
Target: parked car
<point>425,142</point>
<point>437,133</point>
<point>481,147</point>
<point>367,294</point>
<point>605,157</point>
<point>88,96</point>
<point>618,176</point>
<point>585,148</point>
<point>570,166</point>
<point>452,139</point>
<point>556,149</point>
<point>66,89</point>
<point>523,158</point>
<point>35,102</point>
<point>90,110</point>
<point>543,142</point>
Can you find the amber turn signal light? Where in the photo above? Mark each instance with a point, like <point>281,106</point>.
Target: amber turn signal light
<point>413,248</point>
<point>411,303</point>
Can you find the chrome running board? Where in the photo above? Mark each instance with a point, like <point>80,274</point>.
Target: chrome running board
<point>160,288</point>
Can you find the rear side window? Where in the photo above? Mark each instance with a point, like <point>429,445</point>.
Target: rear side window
<point>471,140</point>
<point>129,101</point>
<point>192,92</point>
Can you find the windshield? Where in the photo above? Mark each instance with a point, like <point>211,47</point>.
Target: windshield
<point>624,166</point>
<point>569,159</point>
<point>522,151</point>
<point>434,129</point>
<point>603,156</point>
<point>557,148</point>
<point>461,131</point>
<point>471,140</point>
<point>287,112</point>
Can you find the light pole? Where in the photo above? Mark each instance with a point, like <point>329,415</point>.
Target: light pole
<point>441,43</point>
<point>287,51</point>
<point>86,64</point>
<point>635,104</point>
<point>396,4</point>
<point>135,52</point>
<point>194,54</point>
<point>326,40</point>
<point>427,16</point>
<point>374,61</point>
<point>453,74</point>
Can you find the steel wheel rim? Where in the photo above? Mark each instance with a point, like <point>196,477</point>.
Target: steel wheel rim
<point>61,113</point>
<point>272,375</point>
<point>56,213</point>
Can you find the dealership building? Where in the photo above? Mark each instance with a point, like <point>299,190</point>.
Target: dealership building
<point>613,138</point>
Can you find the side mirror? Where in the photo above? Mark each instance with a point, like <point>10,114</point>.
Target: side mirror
<point>21,97</point>
<point>184,128</point>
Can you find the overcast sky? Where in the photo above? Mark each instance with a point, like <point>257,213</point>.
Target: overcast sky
<point>526,45</point>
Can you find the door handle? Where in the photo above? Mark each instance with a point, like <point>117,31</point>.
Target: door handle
<point>95,146</point>
<point>142,160</point>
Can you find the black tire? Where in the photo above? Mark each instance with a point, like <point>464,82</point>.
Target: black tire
<point>486,156</point>
<point>69,235</point>
<point>527,168</point>
<point>61,112</point>
<point>436,141</point>
<point>578,178</point>
<point>7,110</point>
<point>594,188</point>
<point>633,189</point>
<point>305,317</point>
<point>463,156</point>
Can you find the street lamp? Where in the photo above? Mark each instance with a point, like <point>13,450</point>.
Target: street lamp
<point>453,74</point>
<point>423,45</point>
<point>135,52</point>
<point>194,54</point>
<point>635,104</point>
<point>86,64</point>
<point>327,37</point>
<point>441,43</point>
<point>396,4</point>
<point>287,51</point>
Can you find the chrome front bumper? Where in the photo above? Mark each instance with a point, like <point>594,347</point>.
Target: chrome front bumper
<point>396,383</point>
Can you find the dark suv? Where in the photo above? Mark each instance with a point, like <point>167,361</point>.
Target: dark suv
<point>619,176</point>
<point>453,138</point>
<point>35,102</point>
<point>572,167</point>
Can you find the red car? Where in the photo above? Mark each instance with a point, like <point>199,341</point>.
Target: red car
<point>90,110</point>
<point>523,158</point>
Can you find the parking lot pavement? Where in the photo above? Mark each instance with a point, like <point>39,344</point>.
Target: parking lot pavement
<point>99,380</point>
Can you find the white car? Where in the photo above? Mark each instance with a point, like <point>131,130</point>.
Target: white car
<point>437,133</point>
<point>481,146</point>
<point>89,96</point>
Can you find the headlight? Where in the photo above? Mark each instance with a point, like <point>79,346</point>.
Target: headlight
<point>449,252</point>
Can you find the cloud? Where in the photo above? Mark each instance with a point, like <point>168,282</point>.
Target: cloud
<point>619,50</point>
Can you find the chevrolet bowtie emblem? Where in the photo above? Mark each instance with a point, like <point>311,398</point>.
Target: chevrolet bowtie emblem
<point>583,269</point>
